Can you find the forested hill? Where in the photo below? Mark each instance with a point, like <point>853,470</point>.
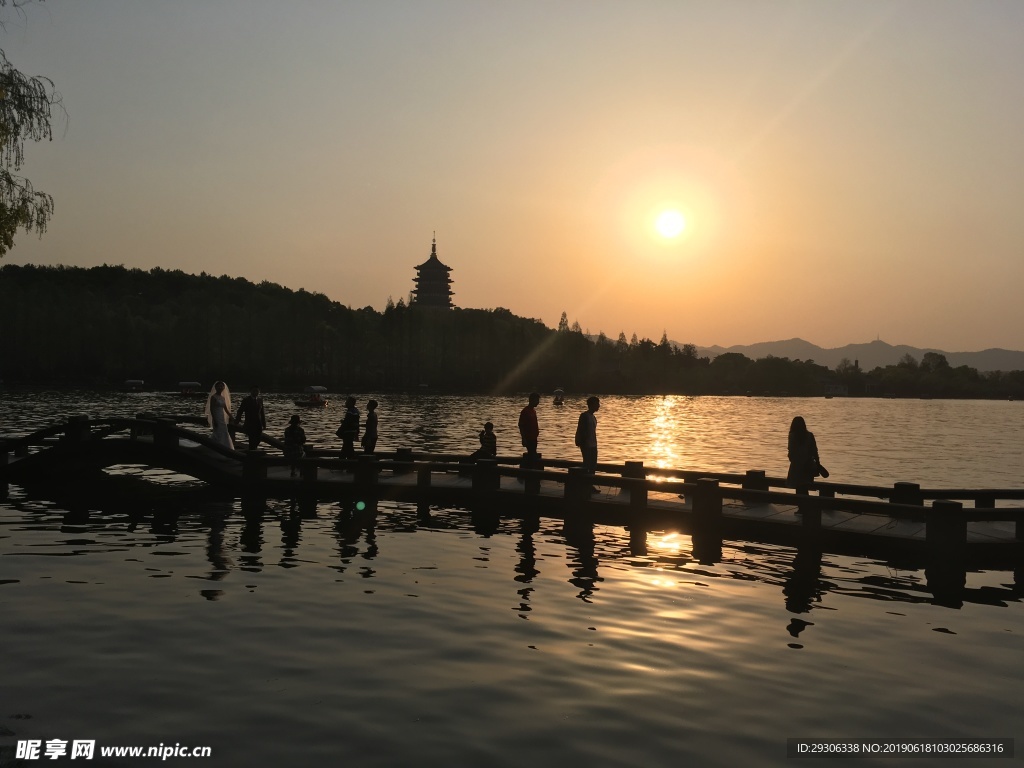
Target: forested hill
<point>101,326</point>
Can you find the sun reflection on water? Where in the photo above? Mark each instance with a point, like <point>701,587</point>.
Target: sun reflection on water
<point>669,542</point>
<point>663,434</point>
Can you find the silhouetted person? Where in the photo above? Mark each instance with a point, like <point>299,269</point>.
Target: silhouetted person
<point>294,441</point>
<point>349,429</point>
<point>529,430</point>
<point>586,437</point>
<point>488,443</point>
<point>369,438</point>
<point>252,418</point>
<point>218,413</point>
<point>803,456</point>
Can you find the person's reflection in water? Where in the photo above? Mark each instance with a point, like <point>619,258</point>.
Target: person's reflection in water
<point>251,542</point>
<point>164,524</point>
<point>580,536</point>
<point>291,535</point>
<point>486,522</point>
<point>307,506</point>
<point>219,562</point>
<point>346,532</point>
<point>355,517</point>
<point>526,568</point>
<point>803,587</point>
<point>76,515</point>
<point>368,523</point>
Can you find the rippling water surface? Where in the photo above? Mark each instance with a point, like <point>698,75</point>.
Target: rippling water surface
<point>394,639</point>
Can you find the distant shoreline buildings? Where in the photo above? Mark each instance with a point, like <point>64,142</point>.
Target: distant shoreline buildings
<point>433,282</point>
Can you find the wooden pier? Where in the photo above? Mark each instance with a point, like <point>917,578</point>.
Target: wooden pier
<point>946,528</point>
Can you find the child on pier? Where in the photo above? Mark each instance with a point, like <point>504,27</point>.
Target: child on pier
<point>294,439</point>
<point>488,443</point>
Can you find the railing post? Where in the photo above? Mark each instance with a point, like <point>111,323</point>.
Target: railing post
<point>366,470</point>
<point>637,539</point>
<point>308,470</point>
<point>946,531</point>
<point>906,493</point>
<point>532,484</point>
<point>403,455</point>
<point>755,480</point>
<point>707,503</point>
<point>423,477</point>
<point>142,429</point>
<point>577,488</point>
<point>163,434</point>
<point>485,476</point>
<point>946,538</point>
<point>77,429</point>
<point>254,466</point>
<point>707,517</point>
<point>4,460</point>
<point>810,513</point>
<point>637,491</point>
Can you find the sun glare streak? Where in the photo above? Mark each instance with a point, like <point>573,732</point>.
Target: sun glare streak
<point>610,282</point>
<point>827,71</point>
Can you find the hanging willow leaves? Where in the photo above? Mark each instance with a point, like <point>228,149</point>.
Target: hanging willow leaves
<point>26,109</point>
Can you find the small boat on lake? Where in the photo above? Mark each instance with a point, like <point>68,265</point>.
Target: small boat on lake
<point>134,385</point>
<point>559,397</point>
<point>314,398</point>
<point>191,389</point>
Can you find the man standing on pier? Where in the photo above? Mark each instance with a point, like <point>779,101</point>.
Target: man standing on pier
<point>349,429</point>
<point>586,437</point>
<point>252,417</point>
<point>529,431</point>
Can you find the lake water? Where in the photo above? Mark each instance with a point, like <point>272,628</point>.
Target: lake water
<point>393,640</point>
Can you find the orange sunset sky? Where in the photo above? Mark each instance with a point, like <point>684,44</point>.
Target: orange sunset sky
<point>835,170</point>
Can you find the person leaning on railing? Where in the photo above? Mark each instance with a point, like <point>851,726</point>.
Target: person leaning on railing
<point>803,456</point>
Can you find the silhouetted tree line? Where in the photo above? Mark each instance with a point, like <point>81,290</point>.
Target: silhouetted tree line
<point>104,325</point>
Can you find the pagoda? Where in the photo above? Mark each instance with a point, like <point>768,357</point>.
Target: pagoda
<point>432,282</point>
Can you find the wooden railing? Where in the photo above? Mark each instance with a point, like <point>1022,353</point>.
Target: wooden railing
<point>945,519</point>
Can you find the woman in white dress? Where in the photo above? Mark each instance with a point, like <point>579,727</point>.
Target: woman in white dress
<point>218,413</point>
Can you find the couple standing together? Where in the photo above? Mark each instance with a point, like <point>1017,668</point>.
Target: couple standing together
<point>586,430</point>
<point>252,419</point>
<point>349,429</point>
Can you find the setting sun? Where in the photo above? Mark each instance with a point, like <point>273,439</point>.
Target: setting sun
<point>670,223</point>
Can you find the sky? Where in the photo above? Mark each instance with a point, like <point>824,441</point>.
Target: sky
<point>846,170</point>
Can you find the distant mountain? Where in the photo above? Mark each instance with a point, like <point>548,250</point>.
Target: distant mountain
<point>872,355</point>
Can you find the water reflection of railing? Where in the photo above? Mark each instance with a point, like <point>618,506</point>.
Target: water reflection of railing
<point>798,573</point>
